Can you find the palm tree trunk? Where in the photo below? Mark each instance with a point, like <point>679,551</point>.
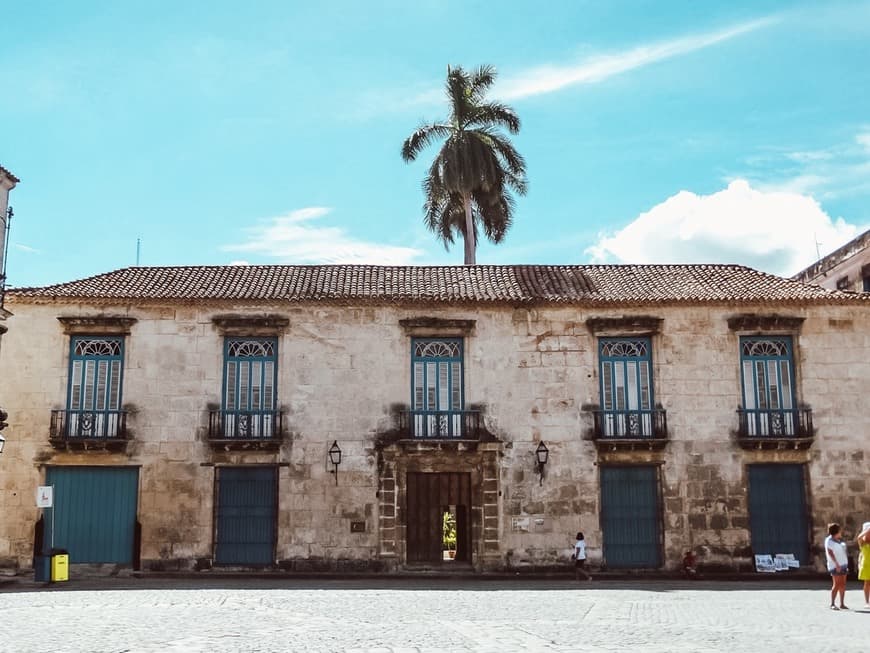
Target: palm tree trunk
<point>470,245</point>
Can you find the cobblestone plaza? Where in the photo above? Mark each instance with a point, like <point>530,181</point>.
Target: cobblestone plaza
<point>219,614</point>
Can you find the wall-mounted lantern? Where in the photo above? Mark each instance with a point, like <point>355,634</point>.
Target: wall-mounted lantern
<point>542,454</point>
<point>3,424</point>
<point>335,459</point>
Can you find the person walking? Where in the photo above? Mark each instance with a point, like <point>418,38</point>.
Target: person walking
<point>864,561</point>
<point>579,557</point>
<point>838,564</point>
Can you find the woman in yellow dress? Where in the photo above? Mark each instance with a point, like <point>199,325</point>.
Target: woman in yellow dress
<point>864,561</point>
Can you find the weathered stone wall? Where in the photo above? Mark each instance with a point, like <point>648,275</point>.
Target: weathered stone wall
<point>344,369</point>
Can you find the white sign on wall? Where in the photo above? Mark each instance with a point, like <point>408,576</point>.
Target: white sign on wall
<point>44,496</point>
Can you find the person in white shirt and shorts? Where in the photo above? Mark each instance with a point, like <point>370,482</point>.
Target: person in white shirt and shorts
<point>838,564</point>
<point>579,558</point>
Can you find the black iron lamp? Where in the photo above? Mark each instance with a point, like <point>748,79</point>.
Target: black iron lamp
<point>542,455</point>
<point>3,424</point>
<point>335,458</point>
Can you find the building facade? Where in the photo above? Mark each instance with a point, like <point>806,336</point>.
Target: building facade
<point>846,268</point>
<point>476,417</point>
<point>8,181</point>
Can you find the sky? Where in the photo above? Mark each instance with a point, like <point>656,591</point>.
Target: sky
<point>270,131</point>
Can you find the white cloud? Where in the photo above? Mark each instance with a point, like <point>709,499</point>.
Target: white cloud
<point>292,238</point>
<point>26,248</point>
<point>547,79</point>
<point>771,231</point>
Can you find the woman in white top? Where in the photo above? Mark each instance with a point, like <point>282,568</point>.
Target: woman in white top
<point>838,564</point>
<point>579,557</point>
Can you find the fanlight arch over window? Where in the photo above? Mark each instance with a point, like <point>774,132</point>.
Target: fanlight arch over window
<point>251,349</point>
<point>765,347</point>
<point>437,349</point>
<point>97,347</point>
<point>625,349</point>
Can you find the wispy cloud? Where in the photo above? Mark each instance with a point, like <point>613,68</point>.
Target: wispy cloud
<point>293,238</point>
<point>840,170</point>
<point>551,78</point>
<point>26,248</point>
<point>775,231</point>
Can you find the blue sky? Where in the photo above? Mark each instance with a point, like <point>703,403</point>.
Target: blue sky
<point>217,132</point>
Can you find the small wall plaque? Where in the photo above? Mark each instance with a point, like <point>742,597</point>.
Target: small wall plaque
<point>357,527</point>
<point>520,524</point>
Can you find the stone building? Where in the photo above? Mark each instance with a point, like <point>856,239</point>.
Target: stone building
<point>8,181</point>
<point>846,268</point>
<point>337,417</point>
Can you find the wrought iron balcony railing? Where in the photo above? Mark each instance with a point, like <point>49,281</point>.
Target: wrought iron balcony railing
<point>241,425</point>
<point>442,424</point>
<point>776,423</point>
<point>72,425</point>
<point>631,424</point>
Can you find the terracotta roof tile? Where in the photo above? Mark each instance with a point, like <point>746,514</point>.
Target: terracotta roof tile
<point>9,174</point>
<point>517,284</point>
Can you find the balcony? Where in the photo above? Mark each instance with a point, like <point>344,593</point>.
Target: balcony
<point>630,429</point>
<point>441,424</point>
<point>89,429</point>
<point>781,428</point>
<point>245,429</point>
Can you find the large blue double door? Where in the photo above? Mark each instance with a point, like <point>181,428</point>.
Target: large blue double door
<point>246,515</point>
<point>94,513</point>
<point>631,516</point>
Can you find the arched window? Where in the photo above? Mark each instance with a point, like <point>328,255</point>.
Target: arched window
<point>626,386</point>
<point>437,388</point>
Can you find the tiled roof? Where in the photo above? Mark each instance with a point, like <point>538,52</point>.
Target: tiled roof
<point>9,174</point>
<point>515,284</point>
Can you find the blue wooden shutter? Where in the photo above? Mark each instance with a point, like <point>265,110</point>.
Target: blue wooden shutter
<point>767,376</point>
<point>627,398</point>
<point>95,382</point>
<point>437,395</point>
<point>249,386</point>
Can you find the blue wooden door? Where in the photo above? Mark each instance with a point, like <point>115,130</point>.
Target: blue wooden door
<point>630,517</point>
<point>778,510</point>
<point>246,515</point>
<point>95,512</point>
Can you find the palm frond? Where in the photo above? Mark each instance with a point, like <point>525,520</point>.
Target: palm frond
<point>496,114</point>
<point>481,80</point>
<point>422,137</point>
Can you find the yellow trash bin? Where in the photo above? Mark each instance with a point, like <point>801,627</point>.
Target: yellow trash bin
<point>59,566</point>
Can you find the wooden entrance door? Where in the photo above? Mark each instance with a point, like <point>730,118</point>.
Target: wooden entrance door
<point>631,517</point>
<point>777,510</point>
<point>428,496</point>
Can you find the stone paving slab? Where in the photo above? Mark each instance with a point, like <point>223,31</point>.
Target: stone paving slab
<point>426,616</point>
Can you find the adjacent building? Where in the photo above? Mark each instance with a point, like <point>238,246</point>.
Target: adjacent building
<point>846,268</point>
<point>348,417</point>
<point>8,181</point>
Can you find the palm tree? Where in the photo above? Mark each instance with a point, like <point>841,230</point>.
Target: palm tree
<point>469,182</point>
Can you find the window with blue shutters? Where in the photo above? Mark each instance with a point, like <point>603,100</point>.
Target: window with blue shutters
<point>626,387</point>
<point>767,375</point>
<point>96,370</point>
<point>437,388</point>
<point>248,406</point>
